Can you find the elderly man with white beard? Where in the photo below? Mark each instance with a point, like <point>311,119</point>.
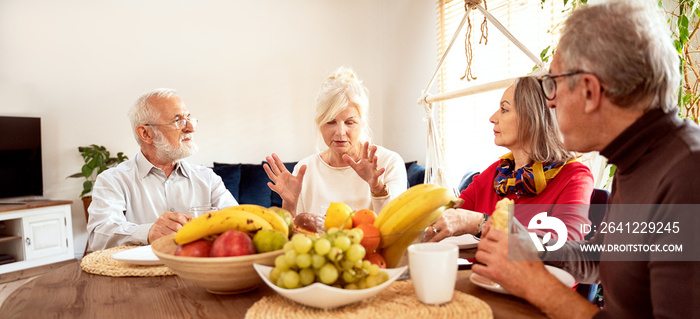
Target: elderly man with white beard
<point>146,197</point>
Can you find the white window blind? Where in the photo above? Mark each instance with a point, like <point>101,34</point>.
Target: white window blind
<point>464,122</point>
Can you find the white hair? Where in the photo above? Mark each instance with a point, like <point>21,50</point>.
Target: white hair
<point>626,44</point>
<point>340,90</point>
<point>142,111</point>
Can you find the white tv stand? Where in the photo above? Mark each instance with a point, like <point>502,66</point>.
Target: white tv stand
<point>36,233</point>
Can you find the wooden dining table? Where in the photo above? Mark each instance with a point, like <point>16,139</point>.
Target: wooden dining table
<point>70,292</point>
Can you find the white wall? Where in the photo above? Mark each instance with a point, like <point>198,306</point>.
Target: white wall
<point>409,59</point>
<point>249,70</point>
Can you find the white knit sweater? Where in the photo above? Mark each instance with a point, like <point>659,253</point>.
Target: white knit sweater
<point>324,184</point>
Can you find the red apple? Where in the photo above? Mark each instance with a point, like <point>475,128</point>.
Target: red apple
<point>198,248</point>
<point>232,243</point>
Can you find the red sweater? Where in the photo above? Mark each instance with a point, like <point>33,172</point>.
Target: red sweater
<point>573,185</point>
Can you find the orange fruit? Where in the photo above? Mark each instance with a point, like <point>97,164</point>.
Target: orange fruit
<point>338,216</point>
<point>363,216</point>
<point>371,237</point>
<point>376,258</point>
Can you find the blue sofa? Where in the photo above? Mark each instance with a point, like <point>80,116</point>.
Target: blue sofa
<point>248,182</point>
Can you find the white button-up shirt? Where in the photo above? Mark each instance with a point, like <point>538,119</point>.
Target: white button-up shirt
<point>129,198</point>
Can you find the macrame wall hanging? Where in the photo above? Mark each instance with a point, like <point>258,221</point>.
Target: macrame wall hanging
<point>471,4</point>
<point>436,170</point>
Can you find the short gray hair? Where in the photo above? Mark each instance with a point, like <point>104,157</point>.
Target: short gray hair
<point>341,89</point>
<point>142,111</point>
<point>627,44</point>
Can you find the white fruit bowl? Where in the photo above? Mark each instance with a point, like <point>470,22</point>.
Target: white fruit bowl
<point>322,296</point>
<point>219,275</point>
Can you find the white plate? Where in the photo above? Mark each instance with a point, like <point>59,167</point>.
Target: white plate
<point>138,256</point>
<point>322,296</point>
<point>463,262</point>
<point>463,242</point>
<point>487,284</point>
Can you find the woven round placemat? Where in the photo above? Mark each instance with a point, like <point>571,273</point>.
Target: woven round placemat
<point>399,300</point>
<point>102,263</point>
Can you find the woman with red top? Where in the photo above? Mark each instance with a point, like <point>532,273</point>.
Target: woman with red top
<point>538,170</point>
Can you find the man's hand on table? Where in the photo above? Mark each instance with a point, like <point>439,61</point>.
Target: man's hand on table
<point>168,223</point>
<point>529,280</point>
<point>515,276</point>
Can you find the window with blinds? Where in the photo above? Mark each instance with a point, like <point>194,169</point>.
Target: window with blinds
<point>467,134</point>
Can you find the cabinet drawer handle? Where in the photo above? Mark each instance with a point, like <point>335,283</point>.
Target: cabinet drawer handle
<point>29,241</point>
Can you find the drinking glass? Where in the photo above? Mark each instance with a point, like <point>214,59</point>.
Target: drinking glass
<point>197,211</point>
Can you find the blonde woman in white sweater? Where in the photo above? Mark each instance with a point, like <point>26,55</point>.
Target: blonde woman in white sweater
<point>349,169</point>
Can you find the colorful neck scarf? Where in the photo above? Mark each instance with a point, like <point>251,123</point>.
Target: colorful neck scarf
<point>529,180</point>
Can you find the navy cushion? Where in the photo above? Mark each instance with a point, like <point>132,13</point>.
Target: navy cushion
<point>231,175</point>
<point>467,179</point>
<point>409,164</point>
<point>598,209</point>
<point>253,187</point>
<point>415,173</point>
<point>275,199</point>
<point>248,182</point>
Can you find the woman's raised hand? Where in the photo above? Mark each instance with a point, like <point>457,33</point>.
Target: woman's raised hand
<point>283,182</point>
<point>366,168</point>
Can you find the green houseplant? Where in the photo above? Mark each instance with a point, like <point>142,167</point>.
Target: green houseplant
<point>97,160</point>
<point>684,21</point>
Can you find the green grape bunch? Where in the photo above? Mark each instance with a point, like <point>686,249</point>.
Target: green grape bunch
<point>334,259</point>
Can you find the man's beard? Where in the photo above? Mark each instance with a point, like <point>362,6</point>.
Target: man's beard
<point>166,152</point>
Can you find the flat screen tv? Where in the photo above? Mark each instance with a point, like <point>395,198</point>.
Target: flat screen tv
<point>20,158</point>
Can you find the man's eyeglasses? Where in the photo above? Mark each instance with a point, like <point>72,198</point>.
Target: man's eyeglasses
<point>179,124</point>
<point>549,85</point>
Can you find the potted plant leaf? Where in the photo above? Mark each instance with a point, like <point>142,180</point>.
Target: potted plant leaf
<point>97,160</point>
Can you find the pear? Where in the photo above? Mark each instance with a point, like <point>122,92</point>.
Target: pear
<point>287,216</point>
<point>269,240</point>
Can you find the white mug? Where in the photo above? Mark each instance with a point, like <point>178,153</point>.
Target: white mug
<point>197,211</point>
<point>433,268</point>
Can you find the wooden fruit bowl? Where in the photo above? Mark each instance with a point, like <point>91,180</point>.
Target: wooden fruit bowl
<point>219,275</point>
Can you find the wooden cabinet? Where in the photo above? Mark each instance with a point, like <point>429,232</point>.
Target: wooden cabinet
<point>36,234</point>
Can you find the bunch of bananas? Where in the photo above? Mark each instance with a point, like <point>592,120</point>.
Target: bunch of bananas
<point>405,218</point>
<point>245,218</point>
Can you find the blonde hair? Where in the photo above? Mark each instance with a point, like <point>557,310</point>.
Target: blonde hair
<point>340,90</point>
<point>537,125</point>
